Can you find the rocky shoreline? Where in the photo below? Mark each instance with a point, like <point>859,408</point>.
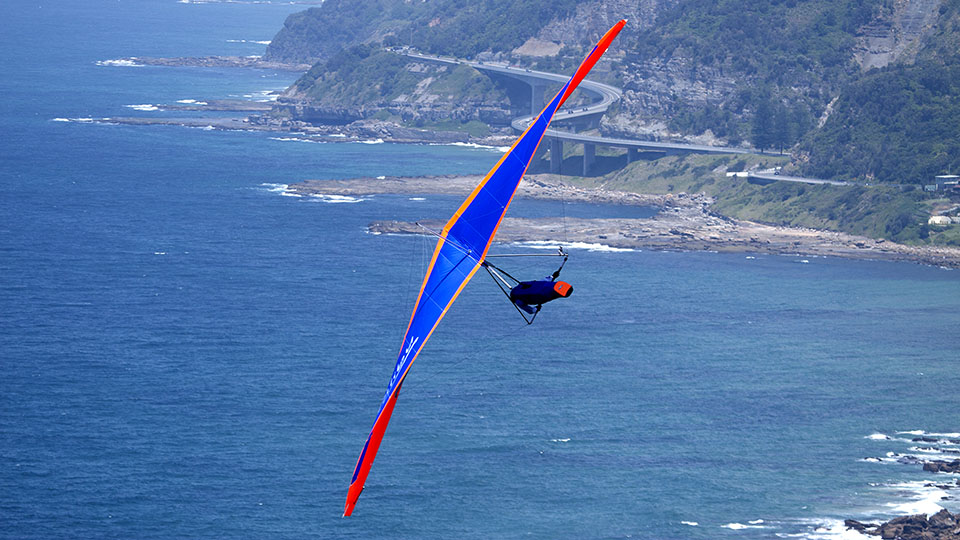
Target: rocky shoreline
<point>684,222</point>
<point>212,61</point>
<point>940,526</point>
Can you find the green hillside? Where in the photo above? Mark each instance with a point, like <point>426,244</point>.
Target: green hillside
<point>898,124</point>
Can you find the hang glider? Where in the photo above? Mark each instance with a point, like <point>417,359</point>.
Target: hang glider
<point>461,250</point>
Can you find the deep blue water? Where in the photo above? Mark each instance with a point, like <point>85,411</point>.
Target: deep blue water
<point>184,352</point>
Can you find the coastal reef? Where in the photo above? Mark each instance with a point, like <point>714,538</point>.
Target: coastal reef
<point>684,222</point>
<point>940,526</point>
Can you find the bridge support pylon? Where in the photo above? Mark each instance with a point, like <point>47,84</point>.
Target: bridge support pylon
<point>536,97</point>
<point>589,157</point>
<point>556,155</point>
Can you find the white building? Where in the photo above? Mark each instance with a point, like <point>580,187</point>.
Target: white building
<point>938,220</point>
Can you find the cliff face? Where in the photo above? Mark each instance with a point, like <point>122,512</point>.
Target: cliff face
<point>737,72</point>
<point>365,82</point>
<point>704,69</point>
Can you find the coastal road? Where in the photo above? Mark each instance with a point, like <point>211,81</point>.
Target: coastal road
<point>769,177</point>
<point>606,96</point>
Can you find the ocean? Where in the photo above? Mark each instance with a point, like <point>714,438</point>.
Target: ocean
<point>187,352</point>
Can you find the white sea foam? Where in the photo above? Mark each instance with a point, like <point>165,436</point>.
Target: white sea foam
<point>474,145</point>
<point>878,437</point>
<point>262,96</point>
<point>834,529</point>
<point>544,244</point>
<point>560,440</point>
<point>295,139</point>
<point>741,526</point>
<point>275,188</point>
<point>120,62</point>
<point>191,102</point>
<point>690,523</point>
<point>922,498</point>
<point>416,199</point>
<point>143,107</point>
<point>259,42</point>
<point>928,450</point>
<point>336,199</point>
<point>375,141</point>
<point>928,434</point>
<point>86,120</point>
<point>381,177</point>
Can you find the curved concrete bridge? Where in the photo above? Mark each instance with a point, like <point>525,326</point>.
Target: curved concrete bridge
<point>584,116</point>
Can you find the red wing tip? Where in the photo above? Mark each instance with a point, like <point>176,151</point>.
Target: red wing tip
<point>347,510</point>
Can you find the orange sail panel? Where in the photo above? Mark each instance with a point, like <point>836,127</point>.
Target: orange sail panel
<point>460,250</point>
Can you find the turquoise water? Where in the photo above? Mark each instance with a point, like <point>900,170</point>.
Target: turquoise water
<point>186,352</point>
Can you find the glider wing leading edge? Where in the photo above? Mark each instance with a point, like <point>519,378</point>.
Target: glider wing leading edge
<point>459,253</point>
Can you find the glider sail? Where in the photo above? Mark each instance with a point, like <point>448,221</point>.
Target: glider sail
<point>460,251</point>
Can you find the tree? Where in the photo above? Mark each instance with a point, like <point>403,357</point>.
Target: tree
<point>782,128</point>
<point>763,125</point>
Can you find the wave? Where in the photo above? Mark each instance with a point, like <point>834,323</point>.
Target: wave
<point>191,102</point>
<point>336,199</point>
<point>830,529</point>
<point>143,107</point>
<point>920,432</point>
<point>934,450</point>
<point>85,120</point>
<point>295,139</point>
<point>690,523</point>
<point>878,437</point>
<point>275,188</point>
<point>560,440</point>
<point>120,62</point>
<point>545,244</point>
<point>417,199</point>
<point>755,524</point>
<point>258,42</point>
<point>374,141</point>
<point>924,497</point>
<point>474,145</point>
<point>262,96</point>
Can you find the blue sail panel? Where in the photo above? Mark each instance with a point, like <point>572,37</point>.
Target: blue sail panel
<point>460,251</point>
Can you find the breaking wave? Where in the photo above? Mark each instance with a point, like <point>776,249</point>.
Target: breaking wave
<point>474,145</point>
<point>120,62</point>
<point>544,244</point>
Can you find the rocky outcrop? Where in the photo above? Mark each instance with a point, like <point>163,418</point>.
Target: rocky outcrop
<point>942,466</point>
<point>684,222</point>
<point>896,37</point>
<point>216,61</point>
<point>941,526</point>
